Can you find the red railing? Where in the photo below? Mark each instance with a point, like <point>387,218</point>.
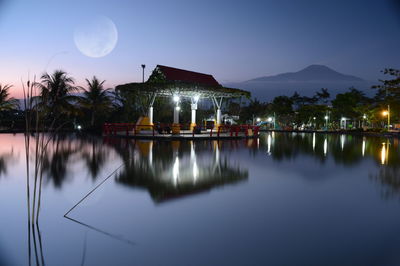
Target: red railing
<point>232,130</point>
<point>113,128</point>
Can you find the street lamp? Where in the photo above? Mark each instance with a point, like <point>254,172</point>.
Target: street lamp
<point>269,119</point>
<point>143,66</point>
<point>387,113</point>
<point>258,119</point>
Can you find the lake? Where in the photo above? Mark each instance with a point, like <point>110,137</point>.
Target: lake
<point>284,199</point>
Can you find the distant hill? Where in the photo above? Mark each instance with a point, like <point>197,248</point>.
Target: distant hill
<point>305,82</point>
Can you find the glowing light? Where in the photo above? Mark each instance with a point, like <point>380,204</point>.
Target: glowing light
<point>314,118</point>
<point>364,116</point>
<point>176,98</point>
<point>343,119</point>
<point>258,119</point>
<point>79,127</point>
<point>195,172</point>
<point>269,141</point>
<point>326,117</point>
<point>313,141</point>
<point>269,119</point>
<point>385,113</point>
<point>178,108</point>
<point>196,98</point>
<point>383,153</point>
<point>325,146</point>
<point>363,147</point>
<point>342,140</point>
<point>175,171</point>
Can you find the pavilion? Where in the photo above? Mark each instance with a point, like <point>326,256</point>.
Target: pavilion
<point>177,83</point>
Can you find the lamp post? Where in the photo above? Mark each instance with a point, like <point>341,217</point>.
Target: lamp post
<point>343,122</point>
<point>143,67</point>
<point>326,122</point>
<point>364,118</point>
<point>176,126</point>
<point>388,110</point>
<point>387,113</point>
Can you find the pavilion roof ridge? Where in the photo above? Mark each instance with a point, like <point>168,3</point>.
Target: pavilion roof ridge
<point>177,74</point>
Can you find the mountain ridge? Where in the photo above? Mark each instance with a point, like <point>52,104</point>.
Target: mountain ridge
<point>311,73</point>
<point>305,81</point>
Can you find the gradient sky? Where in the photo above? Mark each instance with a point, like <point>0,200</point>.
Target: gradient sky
<point>233,40</point>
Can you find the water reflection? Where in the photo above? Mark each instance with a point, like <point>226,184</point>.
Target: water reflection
<point>385,152</point>
<point>163,167</point>
<point>180,168</point>
<point>6,158</point>
<point>176,170</point>
<point>343,149</point>
<point>66,151</point>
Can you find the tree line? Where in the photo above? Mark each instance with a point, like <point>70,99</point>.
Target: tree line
<point>322,111</point>
<point>60,102</point>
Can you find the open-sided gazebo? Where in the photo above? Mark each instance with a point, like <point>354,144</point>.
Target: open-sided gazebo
<point>177,83</point>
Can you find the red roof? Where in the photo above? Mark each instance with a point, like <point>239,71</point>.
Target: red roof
<point>176,74</point>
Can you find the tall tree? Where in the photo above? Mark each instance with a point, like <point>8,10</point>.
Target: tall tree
<point>56,96</point>
<point>323,96</point>
<point>348,104</point>
<point>389,93</point>
<point>95,99</point>
<point>7,102</point>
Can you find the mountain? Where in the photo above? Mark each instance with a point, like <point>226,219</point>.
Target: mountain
<point>306,82</point>
<point>313,73</point>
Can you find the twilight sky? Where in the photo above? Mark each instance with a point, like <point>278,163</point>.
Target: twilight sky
<point>233,40</point>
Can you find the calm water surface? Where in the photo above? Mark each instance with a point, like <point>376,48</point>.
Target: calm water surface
<point>286,199</point>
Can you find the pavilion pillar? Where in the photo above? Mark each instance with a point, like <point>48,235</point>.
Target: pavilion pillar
<point>151,115</point>
<point>176,115</point>
<point>176,128</point>
<point>218,117</point>
<point>193,121</point>
<point>218,105</point>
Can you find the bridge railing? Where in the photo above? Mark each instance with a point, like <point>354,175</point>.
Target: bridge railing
<point>163,128</point>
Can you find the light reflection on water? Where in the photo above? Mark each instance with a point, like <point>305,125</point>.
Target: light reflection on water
<point>287,199</point>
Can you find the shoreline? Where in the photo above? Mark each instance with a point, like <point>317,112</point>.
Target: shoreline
<point>339,132</point>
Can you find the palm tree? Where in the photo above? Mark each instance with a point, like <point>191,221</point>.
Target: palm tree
<point>95,99</point>
<point>56,93</point>
<point>7,102</point>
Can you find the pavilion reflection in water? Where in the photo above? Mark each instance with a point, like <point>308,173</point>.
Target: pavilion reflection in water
<point>179,168</point>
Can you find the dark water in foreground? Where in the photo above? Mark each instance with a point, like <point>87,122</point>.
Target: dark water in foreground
<point>287,199</point>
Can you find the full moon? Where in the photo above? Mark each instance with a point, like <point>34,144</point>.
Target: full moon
<point>96,37</point>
